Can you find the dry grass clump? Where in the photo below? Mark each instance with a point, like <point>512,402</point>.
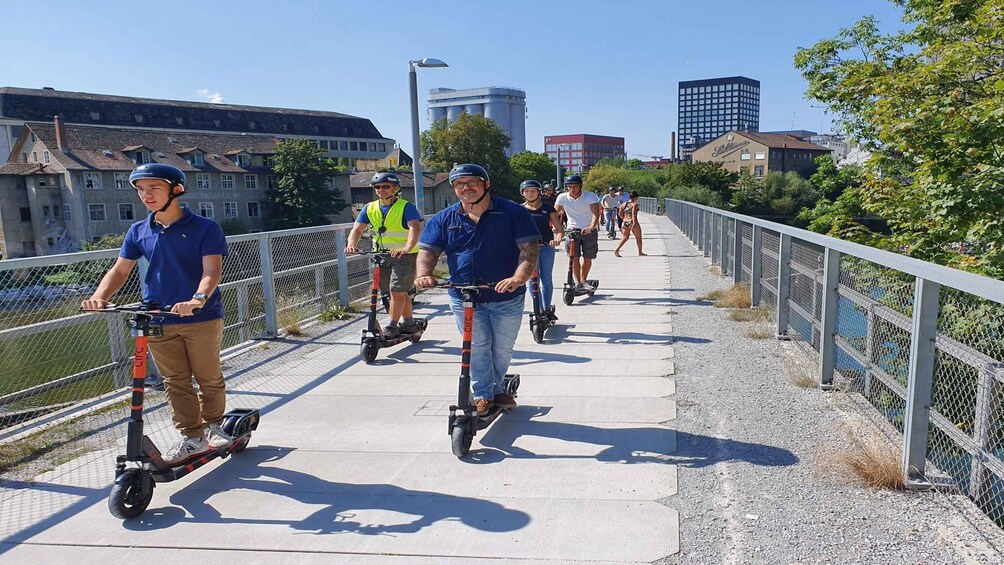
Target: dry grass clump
<point>289,314</point>
<point>760,331</point>
<point>870,460</point>
<point>736,297</point>
<point>761,315</point>
<point>801,374</point>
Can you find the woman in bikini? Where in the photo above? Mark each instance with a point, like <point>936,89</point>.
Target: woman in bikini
<point>629,213</point>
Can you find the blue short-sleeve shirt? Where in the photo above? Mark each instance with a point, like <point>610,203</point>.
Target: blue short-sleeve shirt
<point>485,252</point>
<point>175,254</point>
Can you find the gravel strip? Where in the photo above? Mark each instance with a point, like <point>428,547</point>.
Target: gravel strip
<point>755,454</point>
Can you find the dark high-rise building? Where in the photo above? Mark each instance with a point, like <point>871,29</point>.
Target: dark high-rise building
<point>710,107</point>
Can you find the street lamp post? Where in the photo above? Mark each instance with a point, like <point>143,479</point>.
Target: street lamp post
<point>416,164</point>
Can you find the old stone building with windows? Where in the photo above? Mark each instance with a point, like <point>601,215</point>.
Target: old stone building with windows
<point>70,183</point>
<point>761,153</point>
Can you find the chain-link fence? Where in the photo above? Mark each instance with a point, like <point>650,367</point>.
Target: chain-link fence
<point>58,359</point>
<point>901,333</point>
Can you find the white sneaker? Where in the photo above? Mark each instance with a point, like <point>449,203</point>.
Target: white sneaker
<point>216,437</point>
<point>586,286</point>
<point>186,450</point>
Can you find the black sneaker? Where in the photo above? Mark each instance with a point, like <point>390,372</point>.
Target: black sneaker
<point>550,314</point>
<point>390,332</point>
<point>410,327</point>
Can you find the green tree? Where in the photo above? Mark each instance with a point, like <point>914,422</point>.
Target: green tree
<point>530,165</point>
<point>617,161</point>
<point>929,102</point>
<point>634,164</point>
<point>470,139</point>
<point>601,177</point>
<point>302,197</point>
<point>107,241</point>
<point>830,180</point>
<point>776,194</point>
<point>709,175</point>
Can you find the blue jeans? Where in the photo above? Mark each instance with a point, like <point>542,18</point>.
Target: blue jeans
<point>496,325</point>
<point>611,218</point>
<point>545,270</point>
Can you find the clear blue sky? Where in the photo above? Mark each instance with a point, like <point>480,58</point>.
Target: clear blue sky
<point>601,67</point>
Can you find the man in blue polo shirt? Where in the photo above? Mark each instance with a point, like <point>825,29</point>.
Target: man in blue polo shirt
<point>185,252</point>
<point>486,240</point>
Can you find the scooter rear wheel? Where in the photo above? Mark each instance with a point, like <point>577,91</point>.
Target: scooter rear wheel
<point>126,500</point>
<point>461,440</point>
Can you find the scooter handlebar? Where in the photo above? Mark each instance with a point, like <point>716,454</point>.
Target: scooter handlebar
<point>138,308</point>
<point>463,286</point>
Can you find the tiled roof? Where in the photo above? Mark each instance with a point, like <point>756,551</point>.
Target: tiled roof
<point>30,104</point>
<point>779,140</point>
<point>362,180</point>
<point>106,148</point>
<point>26,169</point>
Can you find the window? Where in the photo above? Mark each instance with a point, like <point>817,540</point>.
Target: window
<point>382,147</point>
<point>50,241</point>
<point>202,181</point>
<point>758,171</point>
<point>244,160</point>
<point>197,159</point>
<point>272,181</point>
<point>142,157</point>
<point>229,209</point>
<point>206,209</point>
<point>269,160</point>
<point>253,210</point>
<point>45,157</point>
<point>25,214</point>
<point>227,182</point>
<point>45,211</point>
<point>121,181</point>
<point>759,156</point>
<point>66,213</point>
<point>92,181</point>
<point>251,182</point>
<point>55,211</point>
<point>372,147</point>
<point>24,157</point>
<point>96,212</point>
<point>745,156</point>
<point>34,156</point>
<point>126,212</point>
<point>353,146</point>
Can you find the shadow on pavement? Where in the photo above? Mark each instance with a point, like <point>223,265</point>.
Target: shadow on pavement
<point>652,444</point>
<point>567,334</point>
<point>340,502</point>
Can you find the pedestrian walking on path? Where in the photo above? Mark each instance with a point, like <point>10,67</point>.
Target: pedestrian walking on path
<point>486,240</point>
<point>396,225</point>
<point>583,212</point>
<point>629,213</point>
<point>185,254</point>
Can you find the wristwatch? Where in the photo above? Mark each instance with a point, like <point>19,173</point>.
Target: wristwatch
<point>200,296</point>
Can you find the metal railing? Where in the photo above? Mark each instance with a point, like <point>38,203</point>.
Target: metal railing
<point>648,205</point>
<point>53,357</point>
<point>922,343</point>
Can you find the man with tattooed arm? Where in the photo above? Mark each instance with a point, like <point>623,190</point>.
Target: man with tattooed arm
<point>486,240</point>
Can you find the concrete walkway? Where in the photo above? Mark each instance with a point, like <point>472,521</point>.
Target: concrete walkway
<point>352,462</point>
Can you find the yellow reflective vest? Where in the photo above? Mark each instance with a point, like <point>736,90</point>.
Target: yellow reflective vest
<point>396,235</point>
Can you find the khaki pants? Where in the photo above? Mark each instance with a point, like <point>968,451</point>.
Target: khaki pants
<point>185,350</point>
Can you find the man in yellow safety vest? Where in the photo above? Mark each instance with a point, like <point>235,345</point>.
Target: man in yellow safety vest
<point>396,225</point>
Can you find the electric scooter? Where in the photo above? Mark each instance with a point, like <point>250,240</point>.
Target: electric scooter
<point>142,466</point>
<point>464,421</point>
<point>570,291</point>
<point>373,338</point>
<point>540,319</point>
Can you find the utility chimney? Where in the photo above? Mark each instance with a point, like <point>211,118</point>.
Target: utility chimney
<point>61,140</point>
<point>672,147</point>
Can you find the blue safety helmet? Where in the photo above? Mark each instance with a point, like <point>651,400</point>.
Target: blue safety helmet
<point>385,177</point>
<point>468,170</point>
<point>529,184</point>
<point>574,179</point>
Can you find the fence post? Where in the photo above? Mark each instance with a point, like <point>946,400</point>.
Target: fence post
<point>705,232</point>
<point>120,352</point>
<point>988,406</point>
<point>783,284</point>
<point>756,264</point>
<point>870,335</point>
<point>319,291</point>
<point>828,316</point>
<point>343,270</point>
<point>723,245</point>
<point>737,253</point>
<point>268,286</point>
<point>716,245</point>
<point>242,312</point>
<point>918,389</point>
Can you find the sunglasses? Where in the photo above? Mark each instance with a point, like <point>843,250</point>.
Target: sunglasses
<point>383,186</point>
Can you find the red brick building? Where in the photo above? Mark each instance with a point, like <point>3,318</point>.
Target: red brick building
<point>581,151</point>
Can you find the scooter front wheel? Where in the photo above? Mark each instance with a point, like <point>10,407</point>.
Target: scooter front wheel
<point>537,329</point>
<point>126,500</point>
<point>368,350</point>
<point>569,297</point>
<point>460,439</point>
